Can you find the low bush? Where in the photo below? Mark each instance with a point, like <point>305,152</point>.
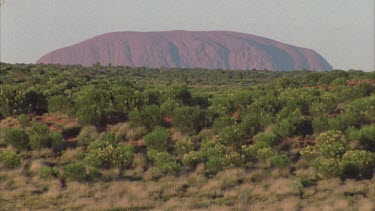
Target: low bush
<point>23,120</point>
<point>47,172</point>
<point>223,122</point>
<point>231,136</point>
<point>213,165</point>
<point>259,150</point>
<point>9,159</point>
<point>18,138</point>
<point>327,167</point>
<point>184,146</point>
<point>367,137</point>
<point>267,137</point>
<point>231,159</point>
<point>87,135</point>
<point>79,172</point>
<point>331,144</point>
<point>163,161</point>
<point>189,119</point>
<point>149,117</point>
<point>250,125</point>
<point>107,153</point>
<point>279,161</point>
<point>56,138</point>
<point>39,136</point>
<point>157,139</point>
<point>357,163</point>
<point>191,159</point>
<point>58,103</point>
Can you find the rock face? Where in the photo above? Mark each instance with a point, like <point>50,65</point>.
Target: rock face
<point>188,49</point>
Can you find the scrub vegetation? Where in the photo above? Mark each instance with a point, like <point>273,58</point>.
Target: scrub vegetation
<point>122,138</point>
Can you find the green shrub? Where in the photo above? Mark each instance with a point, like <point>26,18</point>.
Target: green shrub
<point>231,159</point>
<point>256,151</point>
<point>68,132</point>
<point>280,161</point>
<point>87,135</point>
<point>268,137</point>
<point>18,138</point>
<point>92,107</point>
<point>149,116</point>
<point>40,136</point>
<point>124,98</point>
<point>213,165</point>
<point>34,102</point>
<point>250,125</point>
<point>56,138</point>
<point>223,122</point>
<point>106,139</point>
<point>309,152</point>
<point>157,139</point>
<point>293,126</point>
<point>58,103</point>
<point>350,117</point>
<point>184,146</point>
<point>23,120</point>
<point>327,167</point>
<point>211,148</point>
<point>331,144</point>
<point>339,82</point>
<point>333,150</point>
<point>330,136</point>
<point>349,169</point>
<point>47,172</point>
<point>168,107</point>
<point>106,153</point>
<point>231,136</point>
<point>79,172</point>
<point>367,137</point>
<point>264,153</point>
<point>191,159</point>
<point>320,124</point>
<point>163,161</point>
<point>189,119</point>
<point>356,163</point>
<point>265,120</point>
<point>9,159</point>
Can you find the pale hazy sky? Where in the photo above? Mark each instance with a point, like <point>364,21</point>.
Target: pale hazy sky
<point>342,31</point>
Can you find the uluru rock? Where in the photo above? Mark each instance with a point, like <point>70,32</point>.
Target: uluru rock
<point>188,49</point>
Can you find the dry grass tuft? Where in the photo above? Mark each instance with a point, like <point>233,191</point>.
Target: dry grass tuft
<point>366,204</point>
<point>136,133</point>
<point>120,129</point>
<point>70,155</point>
<point>328,184</point>
<point>36,165</point>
